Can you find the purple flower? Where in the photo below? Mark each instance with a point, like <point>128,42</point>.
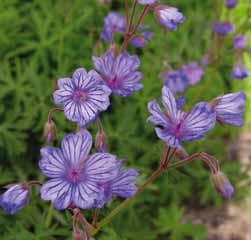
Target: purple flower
<point>193,72</point>
<point>174,126</point>
<point>74,174</point>
<point>176,81</point>
<point>114,23</point>
<point>240,41</point>
<point>223,28</point>
<point>229,108</point>
<point>15,198</point>
<point>82,96</point>
<point>230,3</point>
<point>119,72</point>
<point>146,2</point>
<point>122,186</point>
<point>169,17</point>
<point>239,72</point>
<point>222,185</point>
<point>141,40</point>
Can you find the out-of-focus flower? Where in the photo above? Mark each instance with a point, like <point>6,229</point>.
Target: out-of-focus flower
<point>83,96</point>
<point>49,131</point>
<point>169,17</point>
<point>74,175</point>
<point>146,2</point>
<point>239,72</point>
<point>193,72</point>
<point>223,28</point>
<point>230,3</point>
<point>205,59</point>
<point>119,72</point>
<point>174,126</point>
<point>15,198</point>
<point>176,81</point>
<point>240,41</point>
<point>141,40</point>
<point>114,23</point>
<point>229,108</point>
<point>222,185</point>
<point>122,186</point>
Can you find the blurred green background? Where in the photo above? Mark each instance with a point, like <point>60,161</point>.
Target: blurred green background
<point>41,41</point>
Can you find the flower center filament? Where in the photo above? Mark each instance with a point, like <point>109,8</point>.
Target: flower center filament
<point>74,175</point>
<point>79,96</point>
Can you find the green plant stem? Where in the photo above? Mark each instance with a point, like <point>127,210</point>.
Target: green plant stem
<point>155,175</point>
<point>49,216</point>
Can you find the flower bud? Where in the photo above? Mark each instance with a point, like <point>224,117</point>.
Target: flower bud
<point>100,143</point>
<point>222,185</point>
<point>168,17</point>
<point>49,131</point>
<point>15,198</point>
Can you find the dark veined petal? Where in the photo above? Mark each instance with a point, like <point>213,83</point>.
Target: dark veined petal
<point>76,147</point>
<point>104,64</point>
<point>80,78</point>
<point>200,120</point>
<point>230,108</point>
<point>169,102</point>
<point>169,139</point>
<point>125,64</point>
<point>72,111</point>
<point>14,199</point>
<point>52,163</point>
<point>101,167</point>
<point>123,185</point>
<point>62,95</point>
<point>157,117</point>
<point>58,191</point>
<point>65,82</point>
<point>84,194</point>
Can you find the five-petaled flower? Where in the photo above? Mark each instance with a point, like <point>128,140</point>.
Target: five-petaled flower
<point>229,108</point>
<point>119,72</point>
<point>82,96</point>
<point>15,198</point>
<point>174,126</point>
<point>75,175</point>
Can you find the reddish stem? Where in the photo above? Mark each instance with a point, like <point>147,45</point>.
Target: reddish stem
<point>129,34</point>
<point>52,111</point>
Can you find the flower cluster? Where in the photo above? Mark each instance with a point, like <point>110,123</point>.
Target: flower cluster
<point>80,179</point>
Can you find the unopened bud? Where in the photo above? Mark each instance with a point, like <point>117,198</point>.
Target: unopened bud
<point>100,143</point>
<point>49,131</point>
<point>222,185</point>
